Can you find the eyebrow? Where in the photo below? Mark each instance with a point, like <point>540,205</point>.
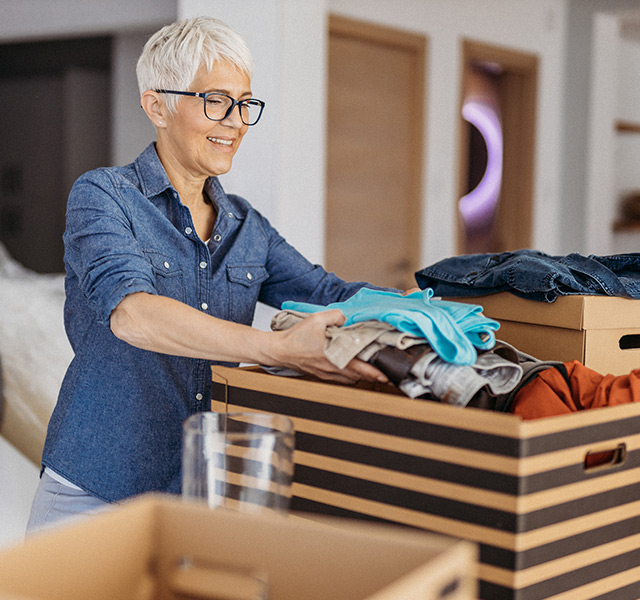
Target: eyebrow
<point>248,94</point>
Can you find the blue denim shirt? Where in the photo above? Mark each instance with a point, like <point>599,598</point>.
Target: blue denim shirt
<point>116,428</point>
<point>534,275</point>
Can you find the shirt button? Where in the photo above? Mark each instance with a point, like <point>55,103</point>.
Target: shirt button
<point>166,264</point>
<point>199,397</point>
<point>204,306</point>
<point>217,237</point>
<point>188,231</point>
<point>203,265</point>
<point>230,215</point>
<point>249,276</point>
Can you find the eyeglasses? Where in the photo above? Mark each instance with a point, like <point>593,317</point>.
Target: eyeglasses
<point>217,106</point>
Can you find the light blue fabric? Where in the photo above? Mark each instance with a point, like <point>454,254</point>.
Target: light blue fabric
<point>478,328</point>
<point>454,330</point>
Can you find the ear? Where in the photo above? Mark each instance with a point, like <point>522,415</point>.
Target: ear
<point>153,104</point>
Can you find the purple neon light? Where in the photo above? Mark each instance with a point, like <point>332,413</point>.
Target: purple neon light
<point>478,206</point>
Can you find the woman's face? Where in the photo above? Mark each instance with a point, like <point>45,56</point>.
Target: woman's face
<point>196,147</point>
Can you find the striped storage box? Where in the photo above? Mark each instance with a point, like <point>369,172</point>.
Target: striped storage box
<point>547,524</point>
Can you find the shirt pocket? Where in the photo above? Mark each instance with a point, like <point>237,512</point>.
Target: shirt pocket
<point>244,288</point>
<point>168,275</point>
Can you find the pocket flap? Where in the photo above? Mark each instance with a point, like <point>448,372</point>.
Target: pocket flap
<point>163,263</point>
<point>247,275</point>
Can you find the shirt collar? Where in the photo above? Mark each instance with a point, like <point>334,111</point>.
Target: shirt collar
<point>154,180</point>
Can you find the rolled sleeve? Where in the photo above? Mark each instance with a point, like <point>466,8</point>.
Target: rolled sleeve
<point>101,249</point>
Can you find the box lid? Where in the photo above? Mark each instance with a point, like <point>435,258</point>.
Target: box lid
<point>571,312</point>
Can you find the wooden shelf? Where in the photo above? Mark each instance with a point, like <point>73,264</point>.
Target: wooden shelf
<point>627,126</point>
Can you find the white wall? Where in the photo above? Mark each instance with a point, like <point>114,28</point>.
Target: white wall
<point>131,130</point>
<point>626,152</point>
<point>570,201</point>
<point>281,166</point>
<point>583,219</point>
<point>85,103</point>
<point>41,19</point>
<point>599,195</point>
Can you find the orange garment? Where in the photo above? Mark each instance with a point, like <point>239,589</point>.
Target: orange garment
<point>549,394</point>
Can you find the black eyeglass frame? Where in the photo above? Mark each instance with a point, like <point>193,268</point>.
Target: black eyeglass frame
<point>234,103</point>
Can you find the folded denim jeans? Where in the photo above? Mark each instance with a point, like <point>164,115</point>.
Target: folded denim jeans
<point>534,275</point>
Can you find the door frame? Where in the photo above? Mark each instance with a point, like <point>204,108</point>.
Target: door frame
<point>518,89</point>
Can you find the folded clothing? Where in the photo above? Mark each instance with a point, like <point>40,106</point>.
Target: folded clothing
<point>410,363</point>
<point>454,330</point>
<point>533,274</point>
<point>345,343</point>
<point>502,379</point>
<point>498,373</point>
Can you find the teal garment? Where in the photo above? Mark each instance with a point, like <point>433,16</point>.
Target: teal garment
<point>453,329</point>
<point>478,328</point>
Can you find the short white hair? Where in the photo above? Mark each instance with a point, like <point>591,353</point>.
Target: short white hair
<point>173,55</point>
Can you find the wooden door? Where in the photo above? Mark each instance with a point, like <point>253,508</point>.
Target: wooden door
<point>374,152</point>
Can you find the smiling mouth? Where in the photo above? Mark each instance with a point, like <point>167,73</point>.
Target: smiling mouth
<point>220,141</point>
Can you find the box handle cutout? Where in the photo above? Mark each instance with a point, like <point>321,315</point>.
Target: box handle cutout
<point>630,342</point>
<point>193,579</point>
<point>450,589</point>
<point>602,459</point>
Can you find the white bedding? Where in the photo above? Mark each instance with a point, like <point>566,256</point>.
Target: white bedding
<point>34,352</point>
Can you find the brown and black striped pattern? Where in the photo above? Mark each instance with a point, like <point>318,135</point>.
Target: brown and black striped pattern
<point>547,527</point>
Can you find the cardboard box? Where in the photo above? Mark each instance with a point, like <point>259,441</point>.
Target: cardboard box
<point>602,332</point>
<point>162,548</point>
<point>548,525</point>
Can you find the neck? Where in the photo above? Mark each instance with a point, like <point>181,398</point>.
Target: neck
<point>189,186</point>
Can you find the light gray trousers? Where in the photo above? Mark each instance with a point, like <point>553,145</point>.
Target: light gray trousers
<point>55,502</point>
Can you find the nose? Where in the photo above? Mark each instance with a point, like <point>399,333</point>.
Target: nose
<point>233,118</point>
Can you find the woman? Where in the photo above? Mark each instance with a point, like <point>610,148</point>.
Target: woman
<point>164,271</point>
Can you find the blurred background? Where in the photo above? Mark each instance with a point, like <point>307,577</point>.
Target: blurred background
<point>364,153</point>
